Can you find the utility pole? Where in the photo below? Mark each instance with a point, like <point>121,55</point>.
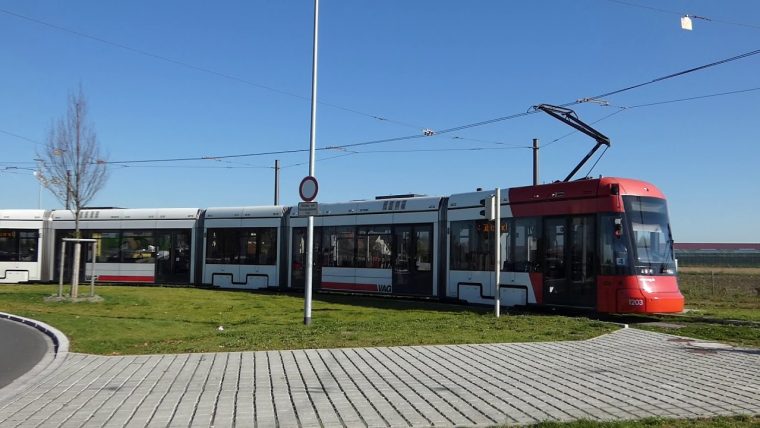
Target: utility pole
<point>535,161</point>
<point>277,182</point>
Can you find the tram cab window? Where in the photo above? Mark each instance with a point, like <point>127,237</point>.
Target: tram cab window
<point>615,257</point>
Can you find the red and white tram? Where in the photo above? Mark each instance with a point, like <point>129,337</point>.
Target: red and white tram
<point>603,244</point>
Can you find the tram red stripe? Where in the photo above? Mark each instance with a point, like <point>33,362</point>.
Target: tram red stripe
<point>349,287</point>
<point>125,278</point>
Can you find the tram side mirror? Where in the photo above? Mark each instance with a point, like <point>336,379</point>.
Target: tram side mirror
<point>618,228</point>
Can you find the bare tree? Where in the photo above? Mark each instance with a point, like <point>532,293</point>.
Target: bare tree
<point>73,168</point>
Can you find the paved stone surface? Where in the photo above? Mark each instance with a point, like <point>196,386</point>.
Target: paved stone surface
<point>624,375</point>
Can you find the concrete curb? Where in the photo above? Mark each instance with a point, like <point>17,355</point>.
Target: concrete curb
<point>57,351</point>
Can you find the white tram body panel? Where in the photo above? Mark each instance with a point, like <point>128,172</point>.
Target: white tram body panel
<point>134,245</point>
<point>253,228</point>
<point>24,242</point>
<point>379,262</point>
<point>477,285</point>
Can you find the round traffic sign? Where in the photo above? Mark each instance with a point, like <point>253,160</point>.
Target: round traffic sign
<point>308,188</point>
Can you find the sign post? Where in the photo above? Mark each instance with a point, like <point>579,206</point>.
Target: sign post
<point>305,186</point>
<point>497,250</point>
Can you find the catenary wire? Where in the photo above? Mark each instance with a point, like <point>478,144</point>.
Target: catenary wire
<point>673,12</point>
<point>201,69</point>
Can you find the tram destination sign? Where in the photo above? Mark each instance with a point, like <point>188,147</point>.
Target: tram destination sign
<point>308,208</point>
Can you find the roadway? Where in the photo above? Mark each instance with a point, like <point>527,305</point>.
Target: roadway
<point>21,348</point>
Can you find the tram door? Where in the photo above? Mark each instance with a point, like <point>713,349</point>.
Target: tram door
<point>569,254</point>
<point>413,259</point>
<point>173,256</point>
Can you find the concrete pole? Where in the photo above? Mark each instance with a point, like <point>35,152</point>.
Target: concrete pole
<point>277,182</point>
<point>75,270</point>
<point>312,152</point>
<point>60,270</point>
<point>92,273</point>
<point>535,161</point>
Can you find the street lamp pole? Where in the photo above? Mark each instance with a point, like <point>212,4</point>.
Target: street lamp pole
<point>312,151</point>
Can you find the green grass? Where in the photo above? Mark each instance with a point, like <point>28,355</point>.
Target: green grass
<point>146,320</point>
<point>723,305</point>
<point>717,422</point>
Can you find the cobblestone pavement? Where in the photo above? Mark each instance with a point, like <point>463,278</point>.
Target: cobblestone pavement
<point>623,375</point>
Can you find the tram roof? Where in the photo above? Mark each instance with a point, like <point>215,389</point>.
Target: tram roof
<point>23,214</point>
<point>392,205</point>
<point>130,214</point>
<point>245,212</point>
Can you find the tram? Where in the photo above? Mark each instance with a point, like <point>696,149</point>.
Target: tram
<point>604,244</point>
<point>23,239</point>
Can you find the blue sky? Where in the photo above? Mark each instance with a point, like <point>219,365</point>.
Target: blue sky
<point>176,79</point>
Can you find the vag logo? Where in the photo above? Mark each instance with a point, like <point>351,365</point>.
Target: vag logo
<point>384,288</point>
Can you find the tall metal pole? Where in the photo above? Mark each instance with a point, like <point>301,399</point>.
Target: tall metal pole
<point>497,250</point>
<point>277,182</point>
<point>535,161</point>
<point>312,152</point>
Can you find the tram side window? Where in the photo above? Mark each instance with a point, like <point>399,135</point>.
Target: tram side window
<point>18,245</point>
<point>108,247</point>
<point>525,252</point>
<point>267,246</point>
<point>472,244</point>
<point>463,244</point>
<point>258,246</point>
<point>373,247</point>
<point>339,246</point>
<point>137,246</point>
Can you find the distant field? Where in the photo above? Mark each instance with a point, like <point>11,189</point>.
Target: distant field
<point>720,270</point>
<point>723,304</point>
<point>147,320</point>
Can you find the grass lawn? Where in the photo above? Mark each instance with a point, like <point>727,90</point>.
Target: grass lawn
<point>146,320</point>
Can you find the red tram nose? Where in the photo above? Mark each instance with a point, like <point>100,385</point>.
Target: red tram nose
<point>640,294</point>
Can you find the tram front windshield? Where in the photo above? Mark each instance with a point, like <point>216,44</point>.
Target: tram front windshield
<point>651,239</point>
